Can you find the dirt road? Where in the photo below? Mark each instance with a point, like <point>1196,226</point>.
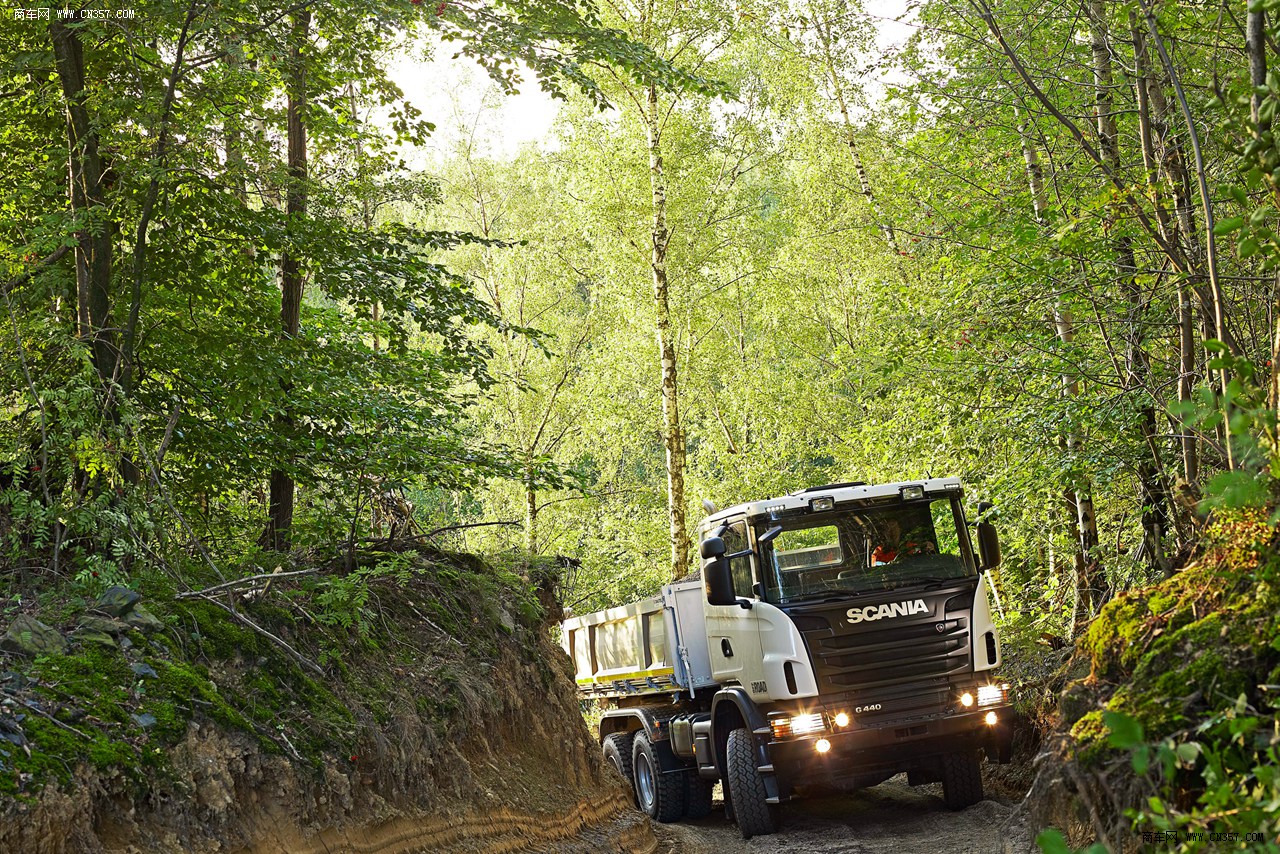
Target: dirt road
<point>891,817</point>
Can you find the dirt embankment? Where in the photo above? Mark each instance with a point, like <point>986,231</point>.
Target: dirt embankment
<point>449,723</point>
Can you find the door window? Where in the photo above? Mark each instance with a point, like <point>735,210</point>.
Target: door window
<point>735,540</point>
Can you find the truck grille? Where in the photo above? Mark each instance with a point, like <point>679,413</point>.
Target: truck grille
<point>907,670</point>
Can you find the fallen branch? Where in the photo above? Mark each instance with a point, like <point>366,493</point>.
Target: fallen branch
<point>429,534</point>
<point>247,580</point>
<point>293,653</point>
<point>428,621</point>
<point>67,727</point>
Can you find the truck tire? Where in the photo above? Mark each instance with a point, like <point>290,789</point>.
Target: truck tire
<point>754,814</point>
<point>617,752</point>
<point>660,796</point>
<point>698,794</point>
<point>961,780</point>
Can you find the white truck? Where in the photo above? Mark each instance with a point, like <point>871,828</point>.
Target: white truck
<point>837,636</point>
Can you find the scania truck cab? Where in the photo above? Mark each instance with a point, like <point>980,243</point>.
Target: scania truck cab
<point>837,636</point>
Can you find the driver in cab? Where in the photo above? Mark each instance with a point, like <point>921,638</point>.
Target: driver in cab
<point>893,545</point>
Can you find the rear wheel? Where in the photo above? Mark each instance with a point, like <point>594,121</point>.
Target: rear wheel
<point>698,795</point>
<point>961,780</point>
<point>660,796</point>
<point>617,752</point>
<point>754,814</point>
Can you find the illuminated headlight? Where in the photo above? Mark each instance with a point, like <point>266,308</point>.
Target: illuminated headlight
<point>990,695</point>
<point>820,505</point>
<point>841,719</point>
<point>966,699</point>
<point>802,724</point>
<point>911,493</point>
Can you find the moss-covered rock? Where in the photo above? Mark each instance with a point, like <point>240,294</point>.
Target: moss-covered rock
<point>29,636</point>
<point>1168,653</point>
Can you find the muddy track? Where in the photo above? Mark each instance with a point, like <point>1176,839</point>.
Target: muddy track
<point>891,817</point>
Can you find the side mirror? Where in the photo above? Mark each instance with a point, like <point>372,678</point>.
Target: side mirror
<point>717,581</point>
<point>988,540</point>
<point>769,534</point>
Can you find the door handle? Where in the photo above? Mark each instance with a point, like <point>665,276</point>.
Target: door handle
<point>726,648</point>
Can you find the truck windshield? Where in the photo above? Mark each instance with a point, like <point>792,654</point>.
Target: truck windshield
<point>875,549</point>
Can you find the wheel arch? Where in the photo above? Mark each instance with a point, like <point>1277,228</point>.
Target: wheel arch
<point>732,708</point>
<point>634,719</point>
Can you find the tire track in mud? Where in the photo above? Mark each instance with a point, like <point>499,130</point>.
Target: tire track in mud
<point>890,817</point>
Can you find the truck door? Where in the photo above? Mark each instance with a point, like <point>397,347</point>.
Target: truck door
<point>733,633</point>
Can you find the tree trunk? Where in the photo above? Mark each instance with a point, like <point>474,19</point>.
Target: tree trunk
<point>1256,47</point>
<point>672,433</point>
<point>280,507</point>
<point>823,27</point>
<point>1151,490</point>
<point>87,192</point>
<point>1186,344</point>
<point>1079,501</point>
<point>530,516</point>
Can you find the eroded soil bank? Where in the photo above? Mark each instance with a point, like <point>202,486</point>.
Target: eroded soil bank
<point>448,723</point>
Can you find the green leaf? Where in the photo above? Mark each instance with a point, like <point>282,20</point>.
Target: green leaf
<point>1051,841</point>
<point>1228,225</point>
<point>1126,732</point>
<point>1236,489</point>
<point>1187,752</point>
<point>1141,761</point>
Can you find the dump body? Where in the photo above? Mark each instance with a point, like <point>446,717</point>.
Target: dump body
<point>657,645</point>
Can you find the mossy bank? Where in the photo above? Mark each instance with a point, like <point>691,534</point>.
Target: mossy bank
<point>415,704</point>
<point>1168,722</point>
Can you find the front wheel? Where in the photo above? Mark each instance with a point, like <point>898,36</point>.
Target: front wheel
<point>751,808</point>
<point>961,780</point>
<point>660,796</point>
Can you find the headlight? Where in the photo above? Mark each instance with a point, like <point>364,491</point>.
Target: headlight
<point>802,724</point>
<point>990,695</point>
<point>966,699</point>
<point>842,719</point>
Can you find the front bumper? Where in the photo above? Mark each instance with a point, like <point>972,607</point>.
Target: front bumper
<point>889,747</point>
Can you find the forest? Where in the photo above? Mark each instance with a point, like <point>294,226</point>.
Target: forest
<point>248,331</point>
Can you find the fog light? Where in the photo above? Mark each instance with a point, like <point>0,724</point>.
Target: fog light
<point>842,718</point>
<point>822,745</point>
<point>966,699</point>
<point>911,493</point>
<point>821,505</point>
<point>991,719</point>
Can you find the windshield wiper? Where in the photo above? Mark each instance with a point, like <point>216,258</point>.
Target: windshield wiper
<point>929,581</point>
<point>809,598</point>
